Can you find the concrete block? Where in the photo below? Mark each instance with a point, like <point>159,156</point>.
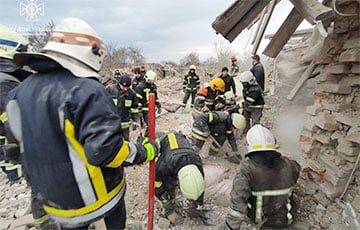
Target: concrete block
<point>335,107</point>
<point>322,138</point>
<point>326,121</point>
<point>350,81</point>
<point>334,88</point>
<point>338,69</point>
<point>352,43</point>
<point>345,119</point>
<point>315,166</point>
<point>327,77</point>
<point>353,135</point>
<point>351,55</point>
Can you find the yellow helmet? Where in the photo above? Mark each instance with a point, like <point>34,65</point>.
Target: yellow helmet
<point>11,43</point>
<point>217,84</point>
<point>191,182</point>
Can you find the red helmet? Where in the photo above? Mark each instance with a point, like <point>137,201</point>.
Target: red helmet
<point>233,58</point>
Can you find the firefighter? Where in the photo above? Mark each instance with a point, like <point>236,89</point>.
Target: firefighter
<point>253,103</point>
<point>143,91</point>
<point>234,66</point>
<point>137,79</point>
<point>227,102</point>
<point>220,127</point>
<point>205,96</point>
<point>178,164</point>
<point>127,105</point>
<point>262,188</point>
<point>190,86</point>
<point>229,81</point>
<point>257,70</point>
<point>70,130</point>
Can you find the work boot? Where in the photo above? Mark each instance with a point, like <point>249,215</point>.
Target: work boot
<point>233,158</point>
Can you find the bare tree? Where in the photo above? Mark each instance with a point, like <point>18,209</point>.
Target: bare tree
<point>134,55</point>
<point>40,35</point>
<point>190,59</point>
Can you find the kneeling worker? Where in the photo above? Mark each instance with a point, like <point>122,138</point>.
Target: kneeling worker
<point>178,164</point>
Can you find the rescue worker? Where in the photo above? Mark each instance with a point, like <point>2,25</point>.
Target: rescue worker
<point>229,81</point>
<point>138,78</point>
<point>142,70</point>
<point>70,131</point>
<point>205,96</point>
<point>234,66</point>
<point>220,127</point>
<point>127,105</point>
<point>262,188</point>
<point>117,74</point>
<point>179,166</point>
<point>253,103</point>
<point>143,91</point>
<point>11,76</point>
<point>227,102</point>
<point>190,86</point>
<point>258,71</point>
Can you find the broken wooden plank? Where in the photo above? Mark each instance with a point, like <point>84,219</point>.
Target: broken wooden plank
<point>304,77</point>
<point>312,10</point>
<point>297,33</point>
<point>285,31</point>
<point>259,25</point>
<point>263,26</point>
<point>231,16</point>
<point>246,19</point>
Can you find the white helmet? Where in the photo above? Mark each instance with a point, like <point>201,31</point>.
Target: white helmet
<point>248,77</point>
<point>229,95</point>
<point>238,121</point>
<point>260,138</point>
<point>75,45</point>
<point>191,182</point>
<point>150,76</point>
<point>11,43</point>
<point>192,67</point>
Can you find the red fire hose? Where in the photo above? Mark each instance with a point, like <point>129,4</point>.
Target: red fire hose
<point>152,162</point>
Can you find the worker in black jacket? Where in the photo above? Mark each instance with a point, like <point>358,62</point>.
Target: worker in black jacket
<point>253,103</point>
<point>70,131</point>
<point>190,85</point>
<point>258,71</point>
<point>137,79</point>
<point>229,80</point>
<point>127,105</point>
<point>179,165</point>
<point>143,91</point>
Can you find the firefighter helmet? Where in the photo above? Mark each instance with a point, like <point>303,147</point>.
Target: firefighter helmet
<point>150,76</point>
<point>233,58</point>
<point>11,43</point>
<point>192,67</point>
<point>191,182</point>
<point>248,77</point>
<point>75,45</point>
<point>238,121</point>
<point>260,138</point>
<point>217,84</point>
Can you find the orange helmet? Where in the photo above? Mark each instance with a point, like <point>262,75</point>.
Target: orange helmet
<point>233,58</point>
<point>217,84</point>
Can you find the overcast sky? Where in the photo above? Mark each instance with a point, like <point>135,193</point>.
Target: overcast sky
<point>162,29</point>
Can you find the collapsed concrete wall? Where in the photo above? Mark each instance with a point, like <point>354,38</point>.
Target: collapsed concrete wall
<point>330,139</point>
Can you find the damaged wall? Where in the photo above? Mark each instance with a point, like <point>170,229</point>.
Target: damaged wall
<point>330,139</point>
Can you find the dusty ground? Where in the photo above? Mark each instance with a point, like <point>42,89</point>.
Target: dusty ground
<point>315,210</point>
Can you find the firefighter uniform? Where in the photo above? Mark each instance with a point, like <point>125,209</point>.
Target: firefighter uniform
<point>190,86</point>
<point>264,183</point>
<point>142,92</point>
<point>137,79</point>
<point>253,104</point>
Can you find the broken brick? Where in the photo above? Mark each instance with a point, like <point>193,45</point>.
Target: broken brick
<point>333,179</point>
<point>315,166</point>
<point>352,43</point>
<point>330,190</point>
<point>326,122</point>
<point>351,55</point>
<point>334,88</point>
<point>313,109</point>
<point>355,68</point>
<point>353,135</point>
<point>344,119</point>
<point>350,81</point>
<point>322,138</point>
<point>337,69</point>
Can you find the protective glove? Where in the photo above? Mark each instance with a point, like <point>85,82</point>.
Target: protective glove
<point>168,211</point>
<point>152,148</point>
<point>205,215</point>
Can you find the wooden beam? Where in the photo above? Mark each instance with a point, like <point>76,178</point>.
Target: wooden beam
<point>263,26</point>
<point>231,16</point>
<point>246,19</point>
<point>312,10</point>
<point>259,25</point>
<point>304,77</point>
<point>285,31</point>
<point>297,33</point>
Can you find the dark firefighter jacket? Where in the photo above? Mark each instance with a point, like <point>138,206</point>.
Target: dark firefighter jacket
<point>258,71</point>
<point>229,83</point>
<point>265,181</point>
<point>136,81</point>
<point>191,82</point>
<point>215,122</point>
<point>128,106</point>
<point>175,153</point>
<point>73,150</point>
<point>143,91</point>
<point>204,100</point>
<point>253,97</point>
